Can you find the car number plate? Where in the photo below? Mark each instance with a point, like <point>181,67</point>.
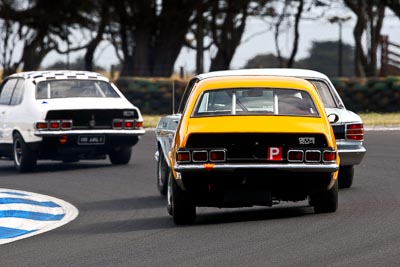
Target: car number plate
<point>91,140</point>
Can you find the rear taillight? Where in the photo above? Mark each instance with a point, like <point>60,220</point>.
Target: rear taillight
<point>329,156</point>
<point>295,155</point>
<point>355,132</point>
<point>313,156</point>
<point>200,156</point>
<point>42,125</point>
<point>119,124</point>
<point>54,125</point>
<point>129,124</point>
<point>217,155</point>
<point>139,124</point>
<point>66,125</point>
<point>183,156</point>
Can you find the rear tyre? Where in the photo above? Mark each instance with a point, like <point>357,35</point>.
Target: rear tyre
<point>326,201</point>
<point>24,158</point>
<point>180,205</point>
<point>162,173</point>
<point>346,174</point>
<point>121,155</point>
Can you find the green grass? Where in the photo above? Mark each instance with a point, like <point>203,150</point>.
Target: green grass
<point>369,119</point>
<point>150,121</point>
<point>381,119</point>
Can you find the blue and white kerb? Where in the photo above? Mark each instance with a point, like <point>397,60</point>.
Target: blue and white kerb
<point>24,214</point>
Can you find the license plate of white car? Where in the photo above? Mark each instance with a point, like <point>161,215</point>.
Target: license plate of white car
<point>91,140</point>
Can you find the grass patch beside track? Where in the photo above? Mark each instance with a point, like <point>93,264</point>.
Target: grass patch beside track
<point>380,119</point>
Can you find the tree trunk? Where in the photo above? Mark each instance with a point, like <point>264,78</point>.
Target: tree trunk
<point>35,51</point>
<point>366,13</point>
<point>89,55</point>
<point>150,40</point>
<point>230,35</point>
<point>296,34</point>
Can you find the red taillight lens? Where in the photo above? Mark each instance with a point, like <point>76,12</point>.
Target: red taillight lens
<point>128,124</point>
<point>139,124</point>
<point>54,125</point>
<point>42,125</point>
<point>117,124</point>
<point>355,132</point>
<point>329,156</point>
<point>313,156</point>
<point>217,155</point>
<point>66,125</point>
<point>200,156</point>
<point>183,156</point>
<point>295,155</point>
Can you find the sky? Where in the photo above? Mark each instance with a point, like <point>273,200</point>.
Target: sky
<point>258,41</point>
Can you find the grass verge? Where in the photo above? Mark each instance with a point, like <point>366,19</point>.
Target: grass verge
<point>380,119</point>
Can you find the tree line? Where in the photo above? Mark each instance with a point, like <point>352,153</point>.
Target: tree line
<point>148,35</point>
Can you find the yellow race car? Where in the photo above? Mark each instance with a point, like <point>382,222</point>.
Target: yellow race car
<point>250,140</point>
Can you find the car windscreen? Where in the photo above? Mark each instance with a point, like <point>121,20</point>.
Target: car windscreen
<point>252,101</point>
<point>74,88</point>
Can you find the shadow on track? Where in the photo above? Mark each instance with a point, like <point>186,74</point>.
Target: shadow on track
<point>166,222</point>
<point>146,202</point>
<point>252,214</point>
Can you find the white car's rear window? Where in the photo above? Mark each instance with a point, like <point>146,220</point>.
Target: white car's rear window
<point>74,88</point>
<point>250,101</point>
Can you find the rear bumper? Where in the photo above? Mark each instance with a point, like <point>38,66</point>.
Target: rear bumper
<point>323,168</point>
<point>237,185</point>
<point>59,146</point>
<point>90,132</point>
<point>351,155</point>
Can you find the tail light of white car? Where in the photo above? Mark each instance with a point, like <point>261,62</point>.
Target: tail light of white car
<point>126,124</point>
<point>355,132</point>
<point>54,125</point>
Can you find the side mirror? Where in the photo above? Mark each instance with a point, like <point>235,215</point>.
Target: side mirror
<point>333,118</point>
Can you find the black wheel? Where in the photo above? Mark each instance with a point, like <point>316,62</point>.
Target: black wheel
<point>162,173</point>
<point>179,204</point>
<point>346,174</point>
<point>326,201</point>
<point>24,158</point>
<point>121,155</point>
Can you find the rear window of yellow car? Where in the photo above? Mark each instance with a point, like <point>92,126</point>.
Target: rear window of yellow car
<point>253,101</point>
